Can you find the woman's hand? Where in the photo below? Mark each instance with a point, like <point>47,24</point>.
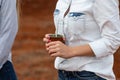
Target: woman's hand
<point>58,49</point>
<point>46,39</point>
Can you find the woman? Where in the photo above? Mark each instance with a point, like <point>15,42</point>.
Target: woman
<point>8,30</point>
<point>92,35</point>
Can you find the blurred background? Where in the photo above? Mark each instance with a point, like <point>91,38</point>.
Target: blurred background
<point>30,58</point>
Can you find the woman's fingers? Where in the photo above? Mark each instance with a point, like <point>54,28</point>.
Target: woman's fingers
<point>46,38</point>
<point>56,54</point>
<point>53,47</point>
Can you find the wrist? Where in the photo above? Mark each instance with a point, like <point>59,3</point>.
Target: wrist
<point>72,52</point>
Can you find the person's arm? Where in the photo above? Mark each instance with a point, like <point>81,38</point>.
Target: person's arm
<point>8,28</point>
<point>106,14</point>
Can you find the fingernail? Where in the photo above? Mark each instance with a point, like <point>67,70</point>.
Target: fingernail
<point>49,41</point>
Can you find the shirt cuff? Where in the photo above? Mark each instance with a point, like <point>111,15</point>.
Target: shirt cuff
<point>99,48</point>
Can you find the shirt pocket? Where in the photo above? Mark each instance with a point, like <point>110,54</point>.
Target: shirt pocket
<point>76,23</point>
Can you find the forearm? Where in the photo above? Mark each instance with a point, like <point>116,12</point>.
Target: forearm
<point>83,50</point>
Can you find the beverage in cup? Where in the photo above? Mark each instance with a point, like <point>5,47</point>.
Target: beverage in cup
<point>56,37</point>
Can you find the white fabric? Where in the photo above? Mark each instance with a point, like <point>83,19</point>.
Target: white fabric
<point>98,26</point>
<point>8,29</point>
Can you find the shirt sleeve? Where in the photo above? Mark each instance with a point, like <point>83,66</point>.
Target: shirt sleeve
<point>8,28</point>
<point>106,14</point>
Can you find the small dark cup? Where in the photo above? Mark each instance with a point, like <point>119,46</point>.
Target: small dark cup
<point>56,37</point>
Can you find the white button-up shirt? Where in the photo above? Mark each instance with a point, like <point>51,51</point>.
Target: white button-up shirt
<point>8,29</point>
<point>93,22</point>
